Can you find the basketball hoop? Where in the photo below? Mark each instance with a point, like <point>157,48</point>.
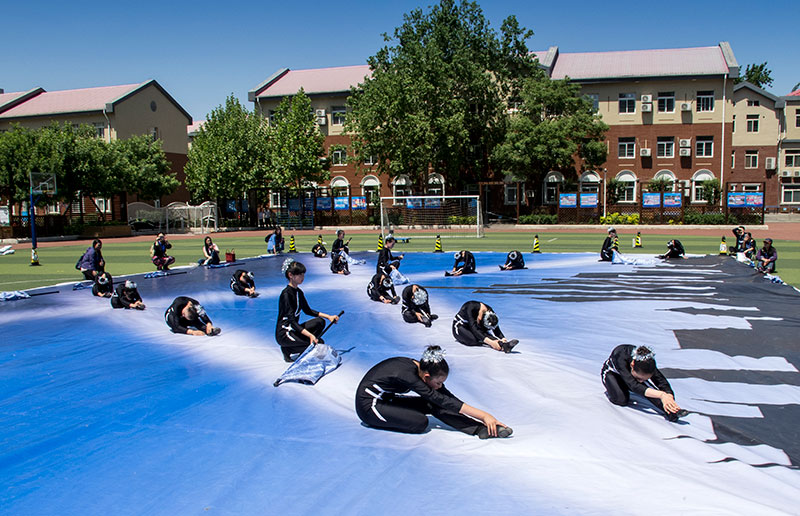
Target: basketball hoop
<point>43,183</point>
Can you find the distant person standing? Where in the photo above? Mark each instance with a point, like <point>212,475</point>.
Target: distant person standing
<point>92,263</point>
<point>158,253</point>
<point>275,241</point>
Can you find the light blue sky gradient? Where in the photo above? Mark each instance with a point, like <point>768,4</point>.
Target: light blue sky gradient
<point>202,51</point>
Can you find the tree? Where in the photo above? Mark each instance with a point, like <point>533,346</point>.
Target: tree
<point>295,148</point>
<point>555,128</point>
<point>229,154</point>
<point>660,185</point>
<point>757,74</point>
<point>712,192</point>
<point>145,170</point>
<point>438,97</point>
<point>16,162</point>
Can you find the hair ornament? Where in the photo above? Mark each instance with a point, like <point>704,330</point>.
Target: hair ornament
<point>643,354</point>
<point>433,354</point>
<point>286,264</point>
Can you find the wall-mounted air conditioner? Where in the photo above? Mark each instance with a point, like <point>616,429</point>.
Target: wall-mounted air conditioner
<point>647,98</point>
<point>647,108</point>
<point>322,120</point>
<point>319,113</point>
<point>686,106</point>
<point>644,152</point>
<point>786,173</point>
<point>685,152</point>
<point>797,173</point>
<point>770,163</point>
<point>685,142</point>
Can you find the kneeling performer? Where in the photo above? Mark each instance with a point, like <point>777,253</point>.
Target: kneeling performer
<point>415,306</point>
<point>185,312</point>
<point>464,264</point>
<point>292,336</point>
<point>379,404</point>
<point>126,296</point>
<point>381,289</point>
<point>243,284</point>
<point>514,261</point>
<point>476,324</point>
<point>103,285</point>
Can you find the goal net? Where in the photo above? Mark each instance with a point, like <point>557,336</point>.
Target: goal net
<point>429,216</point>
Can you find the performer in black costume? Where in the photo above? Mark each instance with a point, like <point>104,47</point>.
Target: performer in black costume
<point>339,263</point>
<point>476,324</point>
<point>186,313</point>
<point>634,369</point>
<point>339,244</point>
<point>379,404</point>
<point>126,296</point>
<point>292,336</point>
<point>415,306</point>
<point>607,252</point>
<point>386,260</point>
<point>674,250</point>
<point>243,284</point>
<point>381,289</point>
<point>319,250</point>
<point>514,261</point>
<point>103,285</point>
<point>464,264</point>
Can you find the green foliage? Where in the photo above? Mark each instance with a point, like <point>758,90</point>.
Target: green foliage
<point>229,153</point>
<point>295,146</point>
<point>556,123</point>
<point>615,190</point>
<point>712,191</point>
<point>146,169</point>
<point>705,219</point>
<point>619,219</point>
<point>757,74</point>
<point>436,98</point>
<point>660,185</point>
<point>543,218</point>
<point>462,220</point>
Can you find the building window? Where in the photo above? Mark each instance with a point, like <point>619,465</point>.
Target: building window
<point>791,193</point>
<point>793,158</point>
<point>275,200</point>
<point>665,147</point>
<point>338,114</point>
<point>594,98</point>
<point>752,123</point>
<point>340,187</point>
<point>797,118</point>
<point>666,101</point>
<point>705,101</point>
<point>750,159</point>
<point>510,196</point>
<point>54,208</point>
<point>733,159</point>
<point>697,185</point>
<point>103,204</point>
<point>751,188</point>
<point>551,182</point>
<point>100,130</point>
<point>271,117</point>
<point>704,147</point>
<point>590,182</point>
<point>733,124</point>
<point>371,160</point>
<point>401,187</point>
<point>339,157</point>
<point>154,133</point>
<point>628,190</point>
<point>753,103</point>
<point>435,185</point>
<point>627,103</point>
<point>627,147</point>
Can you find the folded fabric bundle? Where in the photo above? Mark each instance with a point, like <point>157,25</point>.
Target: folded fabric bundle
<point>315,362</point>
<point>13,295</point>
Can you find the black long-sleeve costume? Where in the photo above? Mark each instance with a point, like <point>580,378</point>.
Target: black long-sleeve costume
<point>376,290</point>
<point>619,382</point>
<point>288,330</point>
<point>339,245</point>
<point>674,249</point>
<point>466,328</point>
<point>513,264</point>
<point>386,259</point>
<point>607,252</point>
<point>319,251</point>
<point>339,263</point>
<point>409,309</point>
<point>240,281</point>
<point>467,263</point>
<point>379,406</point>
<point>99,289</point>
<point>124,297</point>
<point>178,323</point>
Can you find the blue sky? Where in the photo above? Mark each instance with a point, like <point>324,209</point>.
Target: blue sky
<point>202,51</point>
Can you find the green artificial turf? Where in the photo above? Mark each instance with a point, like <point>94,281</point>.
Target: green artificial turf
<point>58,263</point>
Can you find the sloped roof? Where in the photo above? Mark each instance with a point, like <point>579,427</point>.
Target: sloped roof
<point>313,81</point>
<point>193,128</point>
<point>675,62</point>
<point>9,100</point>
<point>795,93</point>
<point>752,87</point>
<point>85,100</point>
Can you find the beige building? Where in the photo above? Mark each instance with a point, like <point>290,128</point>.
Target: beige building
<point>116,112</point>
<point>789,153</point>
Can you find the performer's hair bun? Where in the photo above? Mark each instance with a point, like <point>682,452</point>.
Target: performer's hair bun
<point>433,361</point>
<point>644,360</point>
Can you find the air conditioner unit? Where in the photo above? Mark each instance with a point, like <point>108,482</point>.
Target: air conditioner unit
<point>322,120</point>
<point>685,152</point>
<point>319,113</point>
<point>770,163</point>
<point>685,142</point>
<point>647,98</point>
<point>647,108</point>
<point>644,152</point>
<point>686,106</point>
<point>786,173</point>
<point>797,173</point>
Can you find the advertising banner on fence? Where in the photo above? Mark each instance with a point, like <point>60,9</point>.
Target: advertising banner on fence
<point>413,204</point>
<point>651,200</point>
<point>672,200</point>
<point>359,203</point>
<point>341,203</point>
<point>323,203</point>
<point>568,200</point>
<point>588,200</point>
<point>745,200</point>
<point>433,203</point>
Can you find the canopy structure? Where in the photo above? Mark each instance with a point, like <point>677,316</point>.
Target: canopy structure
<point>106,412</point>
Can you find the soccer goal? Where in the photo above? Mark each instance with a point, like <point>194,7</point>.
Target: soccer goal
<point>429,216</point>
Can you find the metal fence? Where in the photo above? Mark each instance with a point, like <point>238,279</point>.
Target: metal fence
<point>175,218</point>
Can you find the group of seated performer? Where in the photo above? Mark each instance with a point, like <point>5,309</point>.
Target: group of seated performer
<point>319,250</point>
<point>464,264</point>
<point>187,315</point>
<point>415,306</point>
<point>292,336</point>
<point>476,324</point>
<point>381,289</point>
<point>674,250</point>
<point>210,253</point>
<point>514,261</point>
<point>103,285</point>
<point>127,296</point>
<point>243,283</point>
<point>380,402</point>
<point>607,251</point>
